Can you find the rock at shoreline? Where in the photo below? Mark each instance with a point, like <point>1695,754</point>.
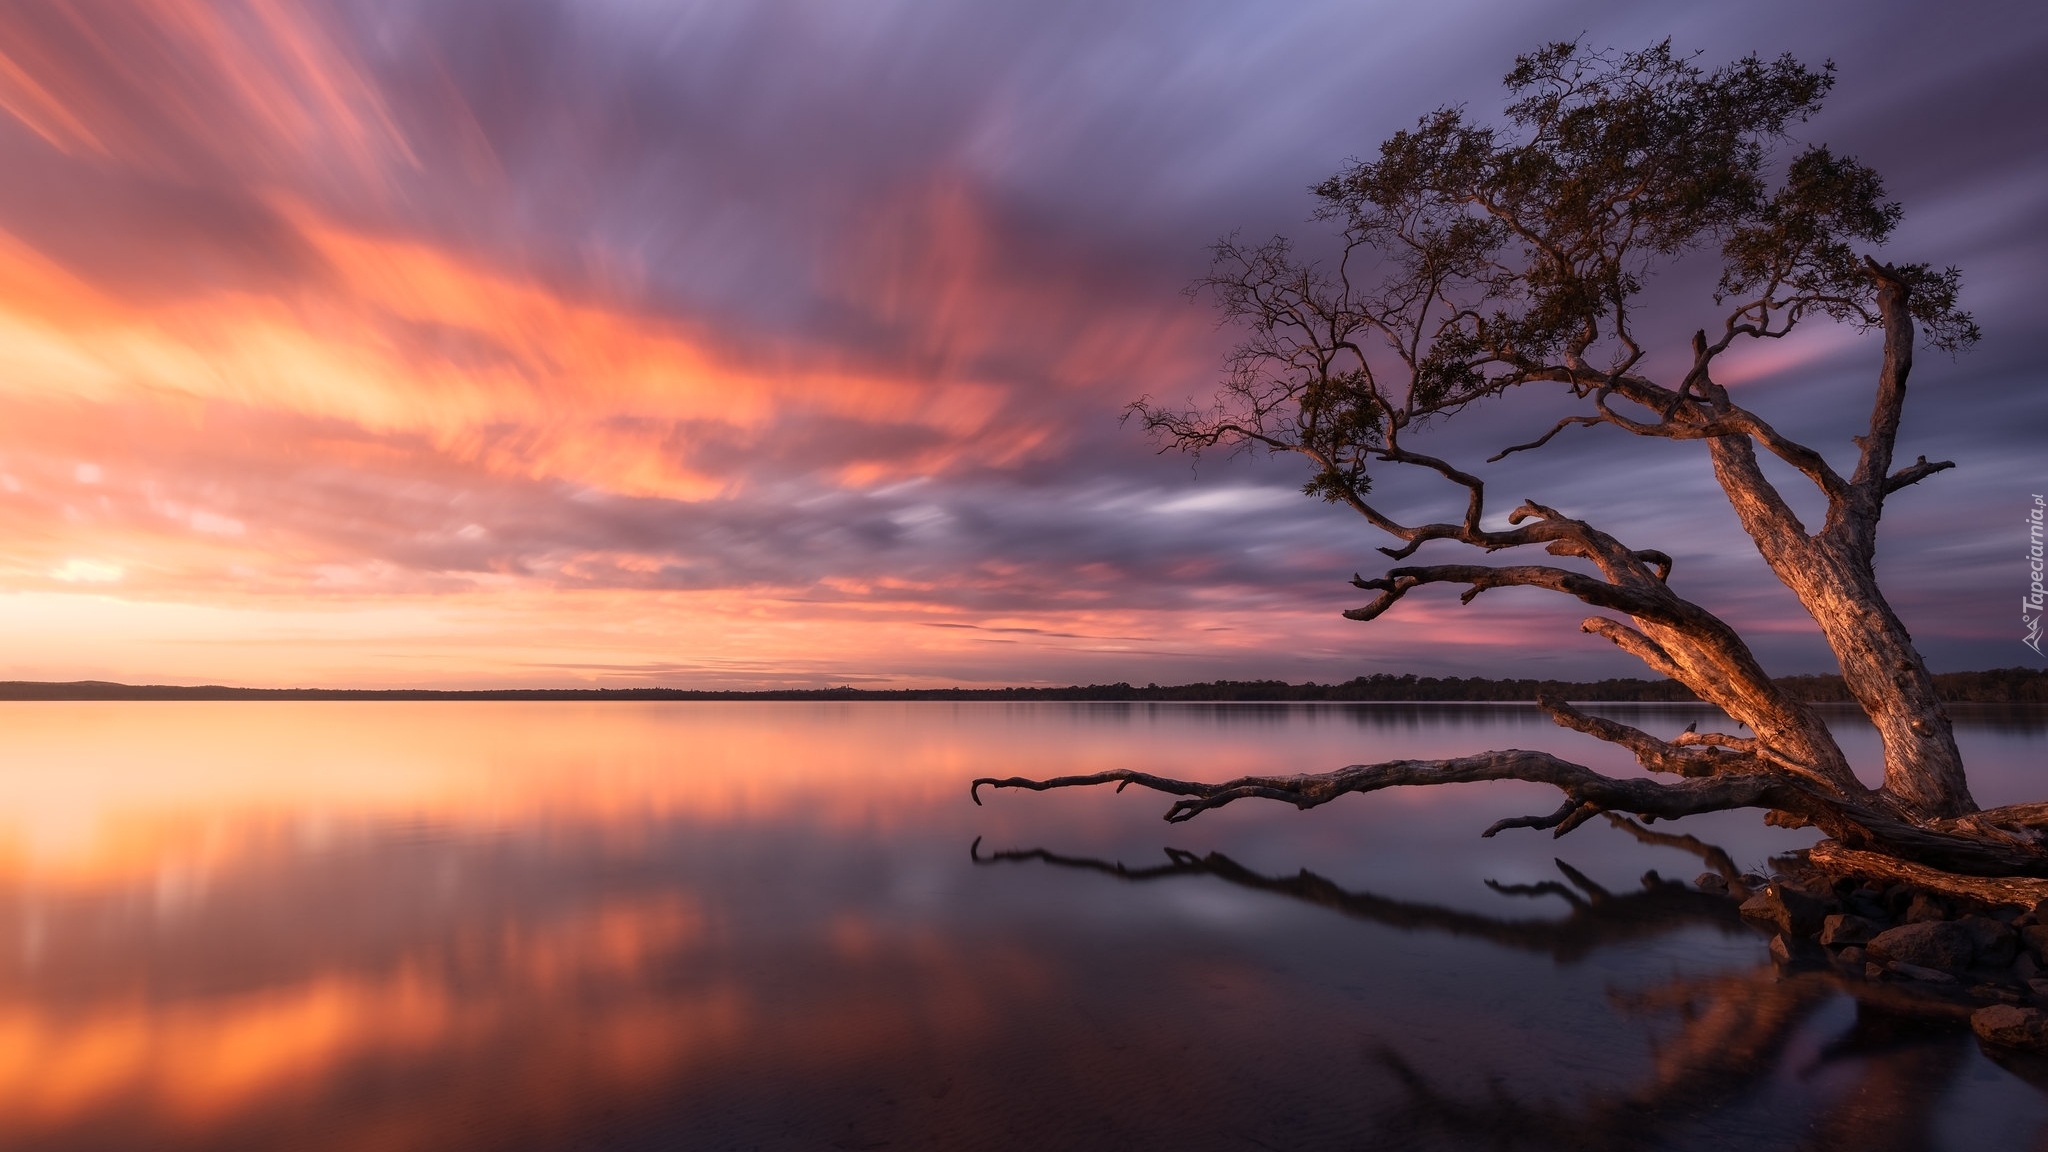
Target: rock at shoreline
<point>1844,928</point>
<point>1925,907</point>
<point>1937,944</point>
<point>1792,911</point>
<point>2035,937</point>
<point>1995,944</point>
<point>1869,905</point>
<point>1918,972</point>
<point>1792,951</point>
<point>2010,1027</point>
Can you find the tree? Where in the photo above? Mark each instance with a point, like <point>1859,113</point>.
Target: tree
<point>1475,260</point>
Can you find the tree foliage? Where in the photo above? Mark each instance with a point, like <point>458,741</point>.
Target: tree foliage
<point>1476,257</point>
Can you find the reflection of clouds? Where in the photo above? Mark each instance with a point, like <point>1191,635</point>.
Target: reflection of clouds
<point>536,915</point>
<point>99,799</point>
<point>546,1020</point>
<point>102,801</point>
<point>200,1056</point>
<point>476,925</point>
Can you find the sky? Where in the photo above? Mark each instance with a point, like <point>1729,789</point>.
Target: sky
<point>783,344</point>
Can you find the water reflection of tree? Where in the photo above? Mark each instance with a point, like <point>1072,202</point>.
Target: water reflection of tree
<point>1710,1078</point>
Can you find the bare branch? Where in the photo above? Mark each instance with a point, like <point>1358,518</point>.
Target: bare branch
<point>1540,441</point>
<point>1862,823</point>
<point>1652,753</point>
<point>1568,816</point>
<point>1635,644</point>
<point>1398,582</point>
<point>1582,787</point>
<point>1726,419</point>
<point>1914,473</point>
<point>1658,562</point>
<point>1690,738</point>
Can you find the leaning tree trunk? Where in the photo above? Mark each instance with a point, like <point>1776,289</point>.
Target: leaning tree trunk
<point>1833,574</point>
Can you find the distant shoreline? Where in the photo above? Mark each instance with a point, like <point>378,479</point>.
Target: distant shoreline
<point>1997,686</point>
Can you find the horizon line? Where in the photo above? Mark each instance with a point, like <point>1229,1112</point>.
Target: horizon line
<point>2016,684</point>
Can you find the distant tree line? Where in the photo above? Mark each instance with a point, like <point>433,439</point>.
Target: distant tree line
<point>1997,686</point>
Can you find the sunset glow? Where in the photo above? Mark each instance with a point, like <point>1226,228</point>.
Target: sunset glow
<point>357,346</point>
<point>494,495</point>
<point>142,821</point>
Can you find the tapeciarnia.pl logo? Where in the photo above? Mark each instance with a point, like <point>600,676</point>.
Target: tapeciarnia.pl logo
<point>2031,604</point>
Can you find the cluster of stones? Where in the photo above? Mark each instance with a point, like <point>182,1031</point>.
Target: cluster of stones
<point>1994,958</point>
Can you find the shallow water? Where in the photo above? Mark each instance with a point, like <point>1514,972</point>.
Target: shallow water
<point>776,925</point>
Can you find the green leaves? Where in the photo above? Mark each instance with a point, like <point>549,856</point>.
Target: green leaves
<point>1932,301</point>
<point>1797,251</point>
<point>1802,251</point>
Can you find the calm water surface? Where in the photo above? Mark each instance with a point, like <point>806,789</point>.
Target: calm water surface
<point>624,926</point>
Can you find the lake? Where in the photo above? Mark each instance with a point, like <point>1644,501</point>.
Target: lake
<point>784,925</point>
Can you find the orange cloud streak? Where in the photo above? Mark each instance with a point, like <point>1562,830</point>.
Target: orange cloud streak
<point>363,434</point>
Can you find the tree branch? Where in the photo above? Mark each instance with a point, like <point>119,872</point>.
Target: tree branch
<point>1724,419</point>
<point>1858,823</point>
<point>1399,582</point>
<point>1914,473</point>
<point>1876,456</point>
<point>1635,644</point>
<point>1583,787</point>
<point>1540,441</point>
<point>1652,753</point>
